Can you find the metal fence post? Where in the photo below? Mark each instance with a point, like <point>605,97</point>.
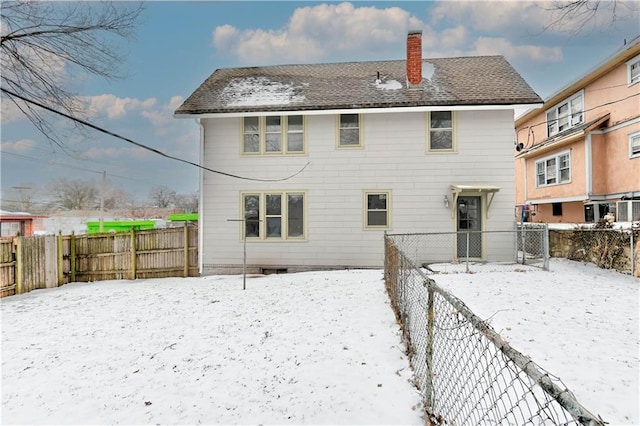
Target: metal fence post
<point>545,244</point>
<point>429,357</point>
<point>632,255</point>
<point>467,251</point>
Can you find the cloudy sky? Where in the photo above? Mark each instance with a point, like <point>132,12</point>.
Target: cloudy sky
<point>179,44</point>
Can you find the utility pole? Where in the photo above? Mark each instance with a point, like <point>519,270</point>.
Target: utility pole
<point>102,191</point>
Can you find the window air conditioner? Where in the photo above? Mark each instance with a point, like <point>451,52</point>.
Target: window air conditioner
<point>628,210</point>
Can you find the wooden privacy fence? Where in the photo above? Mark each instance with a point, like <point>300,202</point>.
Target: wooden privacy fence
<point>29,263</point>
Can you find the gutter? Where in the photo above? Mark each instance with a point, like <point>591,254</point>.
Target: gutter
<point>201,213</point>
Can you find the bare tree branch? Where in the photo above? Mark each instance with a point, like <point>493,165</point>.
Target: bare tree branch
<point>573,17</point>
<point>46,45</point>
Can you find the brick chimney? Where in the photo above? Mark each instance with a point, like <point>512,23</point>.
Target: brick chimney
<point>414,58</point>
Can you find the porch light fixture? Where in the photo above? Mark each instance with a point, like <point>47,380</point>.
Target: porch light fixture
<point>446,201</point>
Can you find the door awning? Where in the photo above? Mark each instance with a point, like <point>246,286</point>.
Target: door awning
<point>474,188</point>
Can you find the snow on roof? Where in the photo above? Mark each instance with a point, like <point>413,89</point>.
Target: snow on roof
<point>388,84</point>
<point>427,70</point>
<point>252,91</point>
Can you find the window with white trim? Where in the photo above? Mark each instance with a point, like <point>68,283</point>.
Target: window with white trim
<point>634,145</point>
<point>633,71</point>
<point>377,206</point>
<point>554,170</point>
<point>273,135</point>
<point>274,215</point>
<point>349,131</point>
<point>565,115</point>
<point>441,131</point>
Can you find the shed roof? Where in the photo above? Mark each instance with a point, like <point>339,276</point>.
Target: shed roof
<point>477,80</point>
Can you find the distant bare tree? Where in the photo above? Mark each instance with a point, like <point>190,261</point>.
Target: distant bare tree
<point>162,196</point>
<point>573,16</point>
<point>118,198</point>
<point>44,45</point>
<point>188,202</point>
<point>75,194</point>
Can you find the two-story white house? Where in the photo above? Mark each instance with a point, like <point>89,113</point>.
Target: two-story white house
<point>313,163</point>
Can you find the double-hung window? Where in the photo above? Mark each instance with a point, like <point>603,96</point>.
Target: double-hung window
<point>554,170</point>
<point>634,145</point>
<point>349,131</point>
<point>273,135</point>
<point>633,71</point>
<point>565,115</point>
<point>274,215</point>
<point>377,214</point>
<point>441,131</point>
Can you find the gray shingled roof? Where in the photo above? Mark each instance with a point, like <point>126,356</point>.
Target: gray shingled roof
<point>478,80</point>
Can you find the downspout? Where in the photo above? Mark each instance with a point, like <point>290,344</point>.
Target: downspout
<point>524,175</point>
<point>588,165</point>
<point>201,215</point>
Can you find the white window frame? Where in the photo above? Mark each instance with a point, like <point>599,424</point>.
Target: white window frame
<point>452,129</point>
<point>284,136</point>
<point>633,63</point>
<point>554,116</point>
<point>339,127</point>
<point>634,145</point>
<point>283,215</point>
<point>366,210</point>
<point>556,171</point>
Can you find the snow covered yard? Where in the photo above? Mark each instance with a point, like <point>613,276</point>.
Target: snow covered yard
<point>291,349</point>
<point>577,321</point>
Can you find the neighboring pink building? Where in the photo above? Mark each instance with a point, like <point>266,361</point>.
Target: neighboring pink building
<point>579,155</point>
<point>17,224</point>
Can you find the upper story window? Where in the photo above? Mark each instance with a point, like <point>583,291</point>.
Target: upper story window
<point>441,131</point>
<point>349,131</point>
<point>274,215</point>
<point>633,71</point>
<point>377,214</point>
<point>565,115</point>
<point>634,145</point>
<point>273,135</point>
<point>554,170</point>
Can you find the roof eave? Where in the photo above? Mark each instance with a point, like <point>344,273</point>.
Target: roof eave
<point>371,109</point>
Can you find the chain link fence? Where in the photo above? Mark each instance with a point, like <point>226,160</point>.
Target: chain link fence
<point>527,246</point>
<point>617,249</point>
<point>467,374</point>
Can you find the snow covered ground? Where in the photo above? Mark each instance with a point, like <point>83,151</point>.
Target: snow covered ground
<point>576,321</point>
<point>306,348</point>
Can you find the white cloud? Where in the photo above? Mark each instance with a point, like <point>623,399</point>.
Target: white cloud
<point>19,147</point>
<point>115,107</point>
<point>97,153</point>
<point>315,32</point>
<point>349,32</point>
<point>501,46</point>
<point>9,111</point>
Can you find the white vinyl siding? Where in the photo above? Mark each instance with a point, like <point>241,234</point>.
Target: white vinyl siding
<point>441,135</point>
<point>274,215</point>
<point>634,145</point>
<point>566,114</point>
<point>273,135</point>
<point>349,131</point>
<point>554,170</point>
<point>333,224</point>
<point>377,209</point>
<point>633,71</point>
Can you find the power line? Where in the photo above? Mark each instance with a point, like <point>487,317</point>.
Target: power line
<point>55,163</point>
<point>138,144</point>
<point>530,127</point>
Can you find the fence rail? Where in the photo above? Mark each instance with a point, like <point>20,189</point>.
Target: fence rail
<point>30,263</point>
<point>467,374</point>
